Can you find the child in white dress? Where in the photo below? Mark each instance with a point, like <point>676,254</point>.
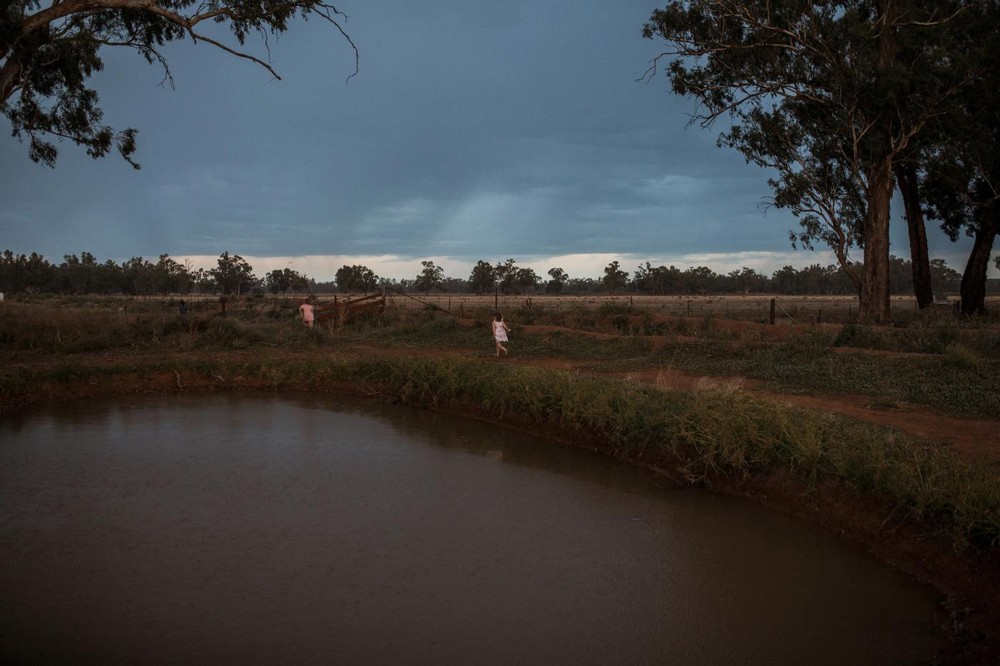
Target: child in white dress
<point>500,330</point>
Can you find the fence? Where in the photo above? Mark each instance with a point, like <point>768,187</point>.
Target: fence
<point>338,312</point>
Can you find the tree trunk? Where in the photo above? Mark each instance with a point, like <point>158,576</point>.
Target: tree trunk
<point>873,298</point>
<point>873,305</point>
<point>906,179</point>
<point>974,277</point>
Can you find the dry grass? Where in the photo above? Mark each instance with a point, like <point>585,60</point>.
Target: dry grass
<point>748,307</point>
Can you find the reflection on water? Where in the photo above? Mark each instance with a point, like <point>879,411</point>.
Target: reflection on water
<point>273,529</point>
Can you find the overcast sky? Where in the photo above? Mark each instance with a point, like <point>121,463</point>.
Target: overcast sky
<point>473,131</point>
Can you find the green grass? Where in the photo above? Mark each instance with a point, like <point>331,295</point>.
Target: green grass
<point>956,372</point>
<point>957,383</point>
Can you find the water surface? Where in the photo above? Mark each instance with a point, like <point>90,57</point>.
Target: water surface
<point>282,529</point>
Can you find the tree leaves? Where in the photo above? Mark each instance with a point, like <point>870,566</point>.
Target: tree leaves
<point>49,50</point>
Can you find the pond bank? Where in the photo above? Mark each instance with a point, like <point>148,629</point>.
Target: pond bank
<point>596,415</point>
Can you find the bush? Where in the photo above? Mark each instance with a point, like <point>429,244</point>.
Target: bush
<point>855,335</point>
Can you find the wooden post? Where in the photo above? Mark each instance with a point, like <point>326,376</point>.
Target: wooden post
<point>771,318</point>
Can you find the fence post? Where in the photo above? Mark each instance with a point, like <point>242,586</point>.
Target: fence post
<point>771,318</point>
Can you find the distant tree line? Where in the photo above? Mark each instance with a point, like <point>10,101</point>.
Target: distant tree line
<point>234,276</point>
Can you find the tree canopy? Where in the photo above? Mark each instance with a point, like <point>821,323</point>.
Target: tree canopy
<point>431,277</point>
<point>356,278</point>
<point>831,95</point>
<point>49,49</point>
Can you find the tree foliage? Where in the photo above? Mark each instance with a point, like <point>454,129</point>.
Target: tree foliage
<point>356,278</point>
<point>558,281</point>
<point>514,279</point>
<point>961,169</point>
<point>233,274</point>
<point>829,94</point>
<point>483,278</point>
<point>281,281</point>
<point>49,49</point>
<point>615,279</point>
<point>431,278</point>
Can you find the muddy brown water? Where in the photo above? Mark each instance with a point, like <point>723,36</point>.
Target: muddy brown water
<point>310,529</point>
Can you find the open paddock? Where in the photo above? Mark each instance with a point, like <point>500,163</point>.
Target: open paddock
<point>806,309</point>
<point>756,308</point>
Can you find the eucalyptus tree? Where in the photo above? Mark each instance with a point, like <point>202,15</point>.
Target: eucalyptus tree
<point>285,279</point>
<point>172,277</point>
<point>513,279</point>
<point>559,278</point>
<point>137,277</point>
<point>483,278</point>
<point>747,281</point>
<point>526,280</point>
<point>960,55</point>
<point>505,273</point>
<point>649,279</point>
<point>356,278</point>
<point>431,277</point>
<point>78,273</point>
<point>961,178</point>
<point>233,274</point>
<point>615,279</point>
<point>830,94</point>
<point>49,49</point>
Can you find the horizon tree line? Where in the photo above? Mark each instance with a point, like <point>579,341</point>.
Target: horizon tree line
<point>234,276</point>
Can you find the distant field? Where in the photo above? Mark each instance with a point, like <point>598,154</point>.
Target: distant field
<point>809,309</point>
<point>755,307</point>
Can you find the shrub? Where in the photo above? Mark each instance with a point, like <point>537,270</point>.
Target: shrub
<point>961,356</point>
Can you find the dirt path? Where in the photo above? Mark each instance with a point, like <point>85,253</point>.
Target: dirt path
<point>976,438</point>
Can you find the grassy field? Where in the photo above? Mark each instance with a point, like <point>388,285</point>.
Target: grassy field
<point>750,307</point>
<point>931,358</point>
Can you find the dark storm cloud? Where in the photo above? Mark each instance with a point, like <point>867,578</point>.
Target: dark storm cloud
<point>473,131</point>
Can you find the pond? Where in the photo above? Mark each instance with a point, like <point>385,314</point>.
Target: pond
<point>247,528</point>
